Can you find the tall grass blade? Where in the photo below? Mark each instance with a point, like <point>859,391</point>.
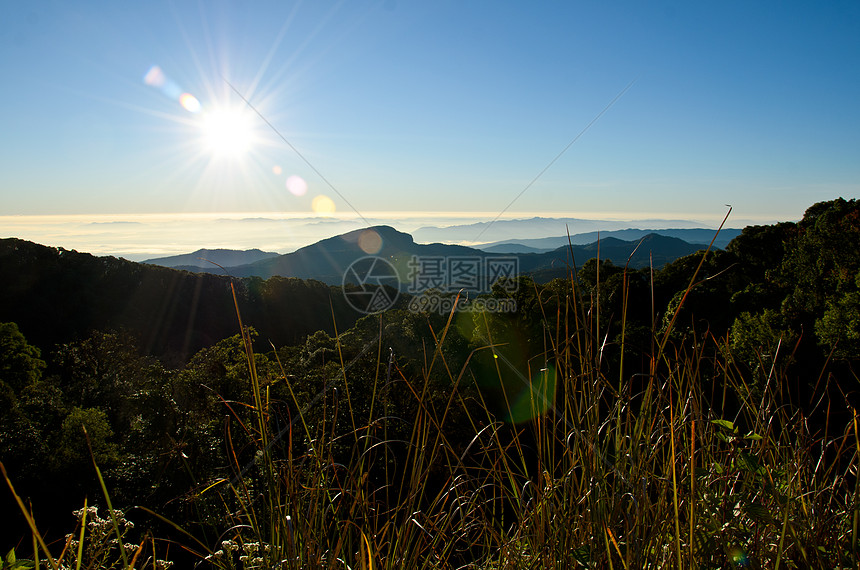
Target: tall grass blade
<point>101,479</point>
<point>30,522</point>
<point>81,537</point>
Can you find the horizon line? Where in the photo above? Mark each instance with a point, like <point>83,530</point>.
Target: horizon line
<point>474,217</point>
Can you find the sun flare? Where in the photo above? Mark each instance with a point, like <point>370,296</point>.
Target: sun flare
<point>228,132</point>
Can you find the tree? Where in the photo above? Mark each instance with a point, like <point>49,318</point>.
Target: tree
<point>74,450</point>
<point>821,264</point>
<point>102,371</point>
<point>20,362</point>
<point>839,328</point>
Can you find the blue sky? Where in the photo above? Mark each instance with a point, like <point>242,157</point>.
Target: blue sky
<point>408,107</point>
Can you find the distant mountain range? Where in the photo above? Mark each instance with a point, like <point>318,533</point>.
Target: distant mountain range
<point>329,259</point>
<point>532,228</point>
<point>701,236</point>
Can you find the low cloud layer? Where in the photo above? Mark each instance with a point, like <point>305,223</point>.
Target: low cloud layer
<point>143,236</point>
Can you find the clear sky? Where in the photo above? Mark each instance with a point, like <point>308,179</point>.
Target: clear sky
<point>113,109</point>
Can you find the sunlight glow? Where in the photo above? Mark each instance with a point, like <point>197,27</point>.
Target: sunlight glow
<point>228,132</point>
<point>323,205</point>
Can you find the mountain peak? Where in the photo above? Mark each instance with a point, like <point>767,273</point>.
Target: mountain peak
<point>383,231</point>
<point>203,258</point>
<point>372,240</point>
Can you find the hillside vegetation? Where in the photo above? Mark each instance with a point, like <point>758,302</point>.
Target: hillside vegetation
<point>697,416</point>
<point>58,296</point>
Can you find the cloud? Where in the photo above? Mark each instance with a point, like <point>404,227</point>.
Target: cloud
<point>143,236</point>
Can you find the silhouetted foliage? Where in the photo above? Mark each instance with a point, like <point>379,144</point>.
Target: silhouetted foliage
<point>20,362</point>
<point>57,296</point>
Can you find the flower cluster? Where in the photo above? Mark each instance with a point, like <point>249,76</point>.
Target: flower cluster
<point>101,545</point>
<point>251,555</point>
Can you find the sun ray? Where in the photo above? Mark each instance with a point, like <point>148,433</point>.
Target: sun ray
<point>276,43</point>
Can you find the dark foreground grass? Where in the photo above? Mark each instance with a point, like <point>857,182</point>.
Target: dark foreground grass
<point>695,463</point>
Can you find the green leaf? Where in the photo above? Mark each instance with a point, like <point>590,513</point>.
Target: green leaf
<point>582,555</point>
<point>759,513</point>
<point>748,462</point>
<point>11,562</point>
<point>752,435</point>
<point>725,424</point>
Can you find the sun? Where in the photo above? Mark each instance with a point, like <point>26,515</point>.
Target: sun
<point>228,132</point>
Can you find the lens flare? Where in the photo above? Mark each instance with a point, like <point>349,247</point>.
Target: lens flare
<point>739,557</point>
<point>370,242</point>
<point>465,324</point>
<point>189,102</point>
<point>156,77</point>
<point>297,186</point>
<point>277,170</point>
<point>323,205</point>
<point>535,399</point>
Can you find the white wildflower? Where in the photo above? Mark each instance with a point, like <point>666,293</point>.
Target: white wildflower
<point>229,545</point>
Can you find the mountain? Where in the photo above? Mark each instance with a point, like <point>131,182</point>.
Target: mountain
<point>328,260</point>
<point>513,247</point>
<point>701,236</point>
<point>206,258</point>
<point>532,228</point>
<point>652,249</point>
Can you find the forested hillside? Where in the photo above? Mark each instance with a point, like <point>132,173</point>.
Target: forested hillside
<point>773,319</point>
<point>56,296</point>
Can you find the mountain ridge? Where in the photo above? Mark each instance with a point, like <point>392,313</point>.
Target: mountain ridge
<point>206,257</point>
<point>534,228</point>
<point>696,236</point>
<point>327,260</point>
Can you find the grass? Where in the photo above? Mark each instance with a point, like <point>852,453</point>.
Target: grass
<point>603,469</point>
